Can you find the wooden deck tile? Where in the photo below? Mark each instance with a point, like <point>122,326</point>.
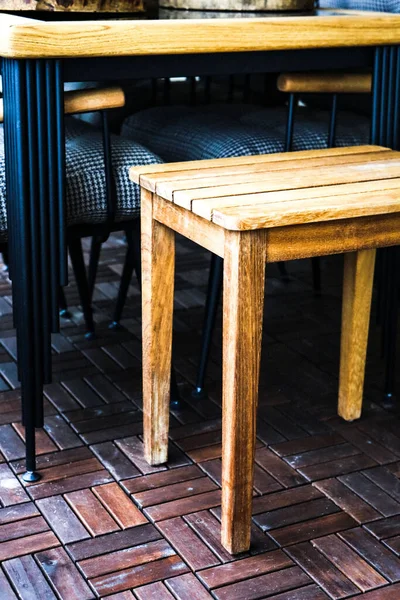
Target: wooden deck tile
<point>101,522</point>
<point>91,512</point>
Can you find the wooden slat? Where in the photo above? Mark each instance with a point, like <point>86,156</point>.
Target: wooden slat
<point>148,175</point>
<point>284,180</point>
<point>313,211</point>
<point>325,83</point>
<point>300,169</point>
<point>130,37</point>
<point>209,207</point>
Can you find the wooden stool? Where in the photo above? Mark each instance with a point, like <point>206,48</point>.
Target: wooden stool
<point>252,210</point>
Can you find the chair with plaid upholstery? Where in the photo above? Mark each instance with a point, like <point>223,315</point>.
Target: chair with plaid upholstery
<point>96,202</point>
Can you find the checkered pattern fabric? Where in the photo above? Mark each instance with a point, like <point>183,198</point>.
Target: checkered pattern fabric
<point>85,189</point>
<point>219,131</point>
<point>376,5</point>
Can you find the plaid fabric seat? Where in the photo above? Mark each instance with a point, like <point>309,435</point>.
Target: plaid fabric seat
<point>220,131</point>
<point>85,178</point>
<point>376,5</point>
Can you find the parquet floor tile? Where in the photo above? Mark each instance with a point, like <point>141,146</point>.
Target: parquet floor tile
<point>102,523</point>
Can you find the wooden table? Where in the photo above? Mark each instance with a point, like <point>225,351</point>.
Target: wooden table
<point>39,56</point>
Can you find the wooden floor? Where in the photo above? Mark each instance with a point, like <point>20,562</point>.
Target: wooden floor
<point>103,523</point>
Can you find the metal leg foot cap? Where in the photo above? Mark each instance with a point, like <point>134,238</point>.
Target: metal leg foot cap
<point>90,335</point>
<point>199,394</point>
<point>30,476</point>
<point>114,325</point>
<point>175,403</point>
<point>65,314</point>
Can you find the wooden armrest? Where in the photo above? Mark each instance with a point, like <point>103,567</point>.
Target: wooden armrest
<point>325,83</point>
<point>81,101</point>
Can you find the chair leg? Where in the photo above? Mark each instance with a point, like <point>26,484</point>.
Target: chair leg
<point>95,250</point>
<point>213,299</point>
<point>132,262</point>
<point>316,274</point>
<point>158,263</point>
<point>243,300</point>
<point>357,295</point>
<point>78,265</point>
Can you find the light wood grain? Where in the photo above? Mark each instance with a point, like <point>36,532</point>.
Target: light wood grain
<point>204,233</point>
<point>272,181</point>
<point>148,175</point>
<point>81,101</point>
<point>158,264</point>
<point>326,83</point>
<point>279,176</point>
<point>244,274</point>
<point>357,295</point>
<point>130,37</point>
<point>332,237</point>
<point>326,196</point>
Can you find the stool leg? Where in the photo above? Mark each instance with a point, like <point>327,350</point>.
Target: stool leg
<point>243,293</point>
<point>357,294</point>
<point>158,264</point>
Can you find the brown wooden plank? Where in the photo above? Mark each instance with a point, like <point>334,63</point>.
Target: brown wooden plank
<point>282,517</point>
<point>19,529</point>
<point>348,501</point>
<point>337,467</point>
<point>32,543</point>
<point>5,587</point>
<point>18,512</point>
<point>314,457</point>
<point>137,576</point>
<point>63,574</point>
<point>187,586</point>
<point>174,491</point>
<point>346,560</point>
<point>11,491</point>
<point>286,476</point>
<point>188,545</point>
<point>371,493</point>
<point>62,520</point>
<point>91,512</point>
<point>184,506</point>
<point>119,505</point>
<point>153,591</point>
<point>61,433</point>
<point>327,576</point>
<point>300,532</point>
<point>285,498</point>
<point>133,448</point>
<point>244,568</point>
<point>69,484</point>
<point>113,542</point>
<point>80,467</point>
<point>27,579</point>
<point>307,444</point>
<point>124,559</point>
<point>63,457</point>
<point>374,552</point>
<point>162,479</point>
<point>384,528</point>
<point>309,592</point>
<point>280,581</point>
<point>114,460</point>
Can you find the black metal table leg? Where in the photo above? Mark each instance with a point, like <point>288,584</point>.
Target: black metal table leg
<point>385,131</point>
<point>35,172</point>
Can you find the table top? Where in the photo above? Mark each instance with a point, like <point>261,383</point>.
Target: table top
<point>180,32</point>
